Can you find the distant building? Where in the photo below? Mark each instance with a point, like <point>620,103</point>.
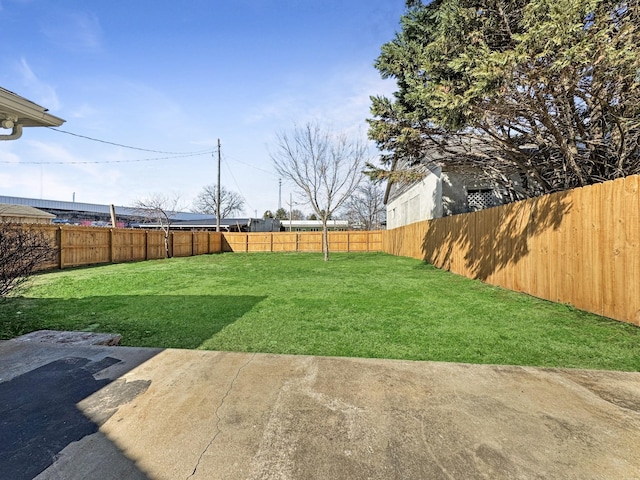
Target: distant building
<point>24,214</point>
<point>91,214</point>
<point>444,191</point>
<point>227,224</point>
<point>312,225</point>
<point>78,213</point>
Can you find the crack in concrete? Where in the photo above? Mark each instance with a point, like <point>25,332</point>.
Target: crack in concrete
<point>218,419</point>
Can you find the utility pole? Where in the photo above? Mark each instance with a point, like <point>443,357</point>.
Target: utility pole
<point>218,193</point>
<point>279,194</point>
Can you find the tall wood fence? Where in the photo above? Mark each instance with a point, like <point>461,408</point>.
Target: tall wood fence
<point>580,247</point>
<point>348,241</point>
<point>79,246</point>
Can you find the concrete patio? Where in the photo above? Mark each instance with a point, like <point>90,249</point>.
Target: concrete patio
<point>73,411</point>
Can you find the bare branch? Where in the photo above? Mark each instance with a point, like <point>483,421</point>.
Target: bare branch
<point>326,168</point>
<point>160,208</point>
<point>23,249</point>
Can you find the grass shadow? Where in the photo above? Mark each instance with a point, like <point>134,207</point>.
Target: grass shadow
<point>162,321</point>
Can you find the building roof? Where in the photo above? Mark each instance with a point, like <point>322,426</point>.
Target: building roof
<point>7,210</point>
<point>20,111</point>
<point>314,223</point>
<point>90,208</point>
<point>437,161</point>
<point>210,222</point>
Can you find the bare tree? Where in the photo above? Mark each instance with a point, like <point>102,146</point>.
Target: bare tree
<point>325,167</point>
<point>160,208</point>
<point>22,250</point>
<point>297,215</point>
<point>366,206</point>
<point>231,203</point>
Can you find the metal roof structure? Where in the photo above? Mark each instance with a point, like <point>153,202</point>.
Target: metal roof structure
<point>17,112</point>
<point>89,208</point>
<point>227,224</point>
<point>314,224</point>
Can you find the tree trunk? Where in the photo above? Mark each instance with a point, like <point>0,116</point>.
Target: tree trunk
<point>325,240</point>
<point>166,243</point>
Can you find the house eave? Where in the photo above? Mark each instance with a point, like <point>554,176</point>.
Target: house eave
<point>26,113</point>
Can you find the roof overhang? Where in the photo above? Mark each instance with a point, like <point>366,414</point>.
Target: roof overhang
<point>17,112</point>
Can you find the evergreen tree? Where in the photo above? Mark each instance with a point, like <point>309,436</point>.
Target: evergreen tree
<point>547,91</point>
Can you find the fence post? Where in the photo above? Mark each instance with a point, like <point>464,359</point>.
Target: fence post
<point>60,248</point>
<point>111,246</point>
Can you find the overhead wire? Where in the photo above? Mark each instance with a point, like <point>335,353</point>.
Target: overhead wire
<point>201,152</point>
<point>253,166</point>
<point>88,162</point>
<point>170,155</point>
<point>226,164</point>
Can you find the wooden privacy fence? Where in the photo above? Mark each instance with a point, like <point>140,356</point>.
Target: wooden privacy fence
<point>580,247</point>
<point>79,246</point>
<point>349,241</point>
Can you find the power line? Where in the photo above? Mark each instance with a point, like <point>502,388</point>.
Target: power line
<point>252,166</point>
<point>226,164</point>
<point>128,146</point>
<point>97,162</point>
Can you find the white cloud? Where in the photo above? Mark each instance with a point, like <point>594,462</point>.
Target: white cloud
<point>39,91</point>
<point>75,31</point>
<point>83,111</point>
<point>342,100</point>
<point>7,157</point>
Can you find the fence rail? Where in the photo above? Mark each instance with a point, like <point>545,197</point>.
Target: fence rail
<point>580,247</point>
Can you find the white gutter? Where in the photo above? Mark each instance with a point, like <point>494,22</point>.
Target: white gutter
<point>17,112</point>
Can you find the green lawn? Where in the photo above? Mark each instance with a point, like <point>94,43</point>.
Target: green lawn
<point>357,305</point>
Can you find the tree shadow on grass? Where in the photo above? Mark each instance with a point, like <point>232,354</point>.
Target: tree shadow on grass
<point>166,321</point>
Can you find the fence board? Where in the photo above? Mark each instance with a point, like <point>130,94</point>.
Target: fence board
<point>128,245</point>
<point>259,242</point>
<point>86,245</point>
<point>235,242</point>
<point>310,242</point>
<point>539,245</point>
<point>608,248</point>
<point>284,242</point>
<point>587,267</point>
<point>631,287</point>
<point>215,242</point>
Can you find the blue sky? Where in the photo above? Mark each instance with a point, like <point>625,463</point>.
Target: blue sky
<point>176,76</point>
